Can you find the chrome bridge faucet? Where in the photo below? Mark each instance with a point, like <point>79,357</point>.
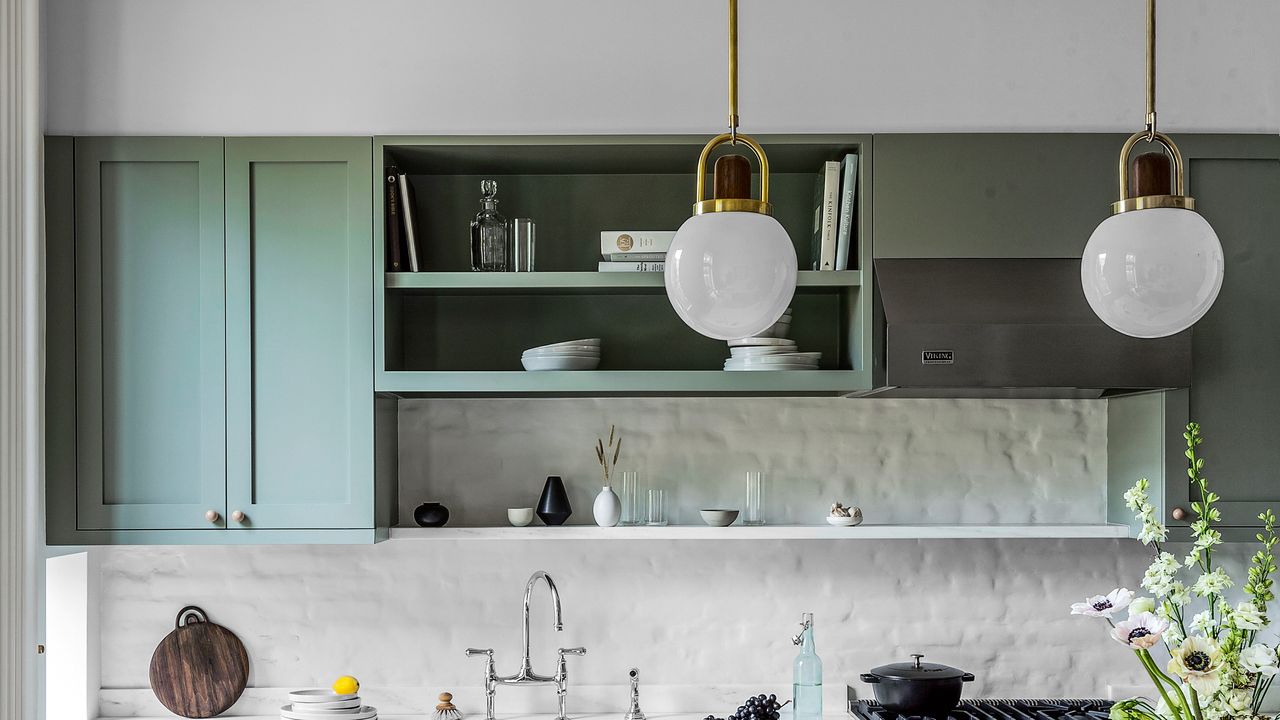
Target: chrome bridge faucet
<point>525,675</point>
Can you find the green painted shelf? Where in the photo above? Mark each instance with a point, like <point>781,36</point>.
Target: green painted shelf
<point>579,282</point>
<point>621,382</point>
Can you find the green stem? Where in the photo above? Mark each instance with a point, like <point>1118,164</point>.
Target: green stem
<point>1149,665</point>
<point>1195,704</point>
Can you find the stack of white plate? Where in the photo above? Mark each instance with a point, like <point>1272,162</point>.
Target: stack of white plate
<point>780,329</point>
<point>569,355</point>
<point>771,350</point>
<point>326,705</point>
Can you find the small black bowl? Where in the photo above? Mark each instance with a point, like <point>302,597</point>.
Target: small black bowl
<point>431,514</point>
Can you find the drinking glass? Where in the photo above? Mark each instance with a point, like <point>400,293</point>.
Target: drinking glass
<point>754,514</point>
<point>631,513</point>
<point>657,511</point>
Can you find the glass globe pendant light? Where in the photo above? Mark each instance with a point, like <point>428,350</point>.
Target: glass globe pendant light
<point>731,269</point>
<point>1155,266</point>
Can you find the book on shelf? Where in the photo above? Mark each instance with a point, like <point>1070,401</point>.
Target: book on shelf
<point>848,196</point>
<point>614,242</point>
<point>826,198</point>
<point>393,225</point>
<point>610,266</point>
<point>636,257</point>
<point>408,210</point>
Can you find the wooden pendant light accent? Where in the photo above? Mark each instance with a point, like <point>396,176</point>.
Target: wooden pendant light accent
<point>1152,175</point>
<point>732,177</point>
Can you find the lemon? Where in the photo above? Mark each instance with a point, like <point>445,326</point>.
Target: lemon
<point>346,685</point>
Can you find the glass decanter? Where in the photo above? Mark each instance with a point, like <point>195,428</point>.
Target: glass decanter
<point>806,687</point>
<point>489,233</point>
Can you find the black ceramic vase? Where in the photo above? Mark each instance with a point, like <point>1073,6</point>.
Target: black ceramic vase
<point>553,506</point>
<point>431,514</point>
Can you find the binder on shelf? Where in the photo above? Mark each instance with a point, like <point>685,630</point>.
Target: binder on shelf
<point>393,224</point>
<point>410,225</point>
<point>848,196</point>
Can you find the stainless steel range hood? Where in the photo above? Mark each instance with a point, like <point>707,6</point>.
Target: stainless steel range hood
<point>1015,328</point>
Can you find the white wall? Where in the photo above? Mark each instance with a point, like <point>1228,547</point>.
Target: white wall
<point>603,66</point>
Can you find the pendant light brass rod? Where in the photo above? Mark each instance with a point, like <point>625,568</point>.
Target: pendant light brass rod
<point>1151,70</point>
<point>733,71</point>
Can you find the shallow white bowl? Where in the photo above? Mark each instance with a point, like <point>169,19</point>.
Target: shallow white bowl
<point>560,362</point>
<point>718,518</point>
<point>843,521</point>
<point>584,341</point>
<point>299,711</point>
<point>811,358</point>
<point>761,341</point>
<point>742,352</point>
<point>520,517</point>
<point>566,350</point>
<point>321,695</point>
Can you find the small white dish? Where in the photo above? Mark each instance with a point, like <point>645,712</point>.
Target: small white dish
<point>771,368</point>
<point>565,350</point>
<point>338,705</point>
<point>520,517</point>
<point>584,341</point>
<point>300,712</point>
<point>321,695</point>
<point>809,358</point>
<point>842,521</point>
<point>718,518</point>
<point>760,341</point>
<point>560,362</point>
<point>741,352</point>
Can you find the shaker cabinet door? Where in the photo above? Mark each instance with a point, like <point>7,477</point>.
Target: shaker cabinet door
<point>149,316</point>
<point>300,335</point>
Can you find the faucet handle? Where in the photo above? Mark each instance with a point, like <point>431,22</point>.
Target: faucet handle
<point>573,651</point>
<point>471,652</point>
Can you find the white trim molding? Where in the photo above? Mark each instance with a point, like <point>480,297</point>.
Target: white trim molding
<point>21,355</point>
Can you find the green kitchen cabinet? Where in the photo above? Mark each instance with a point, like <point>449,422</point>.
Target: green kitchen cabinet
<point>991,195</point>
<point>1235,180</point>
<point>149,334</point>
<point>299,333</point>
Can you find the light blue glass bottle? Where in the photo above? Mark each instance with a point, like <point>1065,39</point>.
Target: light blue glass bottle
<point>806,686</point>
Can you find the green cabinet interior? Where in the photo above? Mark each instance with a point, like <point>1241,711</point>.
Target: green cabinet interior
<point>447,331</point>
<point>1235,180</point>
<point>211,368</point>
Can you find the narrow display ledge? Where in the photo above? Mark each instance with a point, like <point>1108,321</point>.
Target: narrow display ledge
<point>764,532</point>
<point>599,383</point>
<point>454,283</point>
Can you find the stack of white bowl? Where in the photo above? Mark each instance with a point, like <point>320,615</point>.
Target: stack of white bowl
<point>770,350</point>
<point>326,705</point>
<point>568,355</point>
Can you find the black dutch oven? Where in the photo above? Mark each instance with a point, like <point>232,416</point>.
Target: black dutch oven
<point>918,688</point>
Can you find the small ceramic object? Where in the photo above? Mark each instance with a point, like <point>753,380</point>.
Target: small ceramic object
<point>553,506</point>
<point>718,518</point>
<point>607,508</point>
<point>520,517</point>
<point>431,514</point>
<point>844,516</point>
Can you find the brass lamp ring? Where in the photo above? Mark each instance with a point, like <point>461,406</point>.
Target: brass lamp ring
<point>705,205</point>
<point>1152,135</point>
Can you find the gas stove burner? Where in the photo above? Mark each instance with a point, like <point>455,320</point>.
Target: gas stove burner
<point>997,710</point>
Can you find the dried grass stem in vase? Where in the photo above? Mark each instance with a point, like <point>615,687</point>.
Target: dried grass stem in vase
<point>607,453</point>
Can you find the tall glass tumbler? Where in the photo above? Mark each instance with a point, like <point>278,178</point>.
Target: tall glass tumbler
<point>632,513</point>
<point>754,514</point>
<point>657,510</point>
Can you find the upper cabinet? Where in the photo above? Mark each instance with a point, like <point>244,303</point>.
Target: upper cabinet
<point>991,195</point>
<point>215,366</point>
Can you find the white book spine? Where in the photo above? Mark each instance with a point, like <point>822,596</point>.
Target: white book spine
<point>636,257</point>
<point>635,241</point>
<point>632,266</point>
<point>407,208</point>
<point>848,195</point>
<point>830,203</point>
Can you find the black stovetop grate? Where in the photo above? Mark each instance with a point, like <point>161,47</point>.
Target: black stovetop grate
<point>1018,709</point>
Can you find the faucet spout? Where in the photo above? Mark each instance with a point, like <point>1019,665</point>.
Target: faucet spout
<point>526,665</point>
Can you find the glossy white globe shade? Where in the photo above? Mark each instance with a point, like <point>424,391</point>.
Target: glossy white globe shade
<point>1152,273</point>
<point>730,274</point>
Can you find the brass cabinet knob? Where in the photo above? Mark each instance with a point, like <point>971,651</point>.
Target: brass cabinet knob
<point>213,516</point>
<point>238,516</point>
<point>1179,514</point>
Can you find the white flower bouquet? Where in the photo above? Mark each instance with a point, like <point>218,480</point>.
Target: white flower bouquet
<point>1217,667</point>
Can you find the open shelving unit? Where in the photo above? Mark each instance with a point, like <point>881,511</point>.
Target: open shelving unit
<point>762,532</point>
<point>447,331</point>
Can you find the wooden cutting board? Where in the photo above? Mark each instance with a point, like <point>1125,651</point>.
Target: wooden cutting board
<point>200,669</point>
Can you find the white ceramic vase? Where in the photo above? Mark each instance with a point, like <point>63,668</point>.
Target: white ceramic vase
<point>607,508</point>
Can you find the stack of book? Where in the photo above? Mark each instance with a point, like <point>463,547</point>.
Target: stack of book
<point>404,244</point>
<point>634,250</point>
<point>835,193</point>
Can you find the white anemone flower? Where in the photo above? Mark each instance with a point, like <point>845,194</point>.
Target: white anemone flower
<point>1259,659</point>
<point>1104,605</point>
<point>1198,662</point>
<point>1140,632</point>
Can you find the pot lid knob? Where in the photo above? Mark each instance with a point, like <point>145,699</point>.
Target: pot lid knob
<point>917,657</point>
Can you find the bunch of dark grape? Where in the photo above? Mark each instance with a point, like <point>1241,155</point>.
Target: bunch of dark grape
<point>756,707</point>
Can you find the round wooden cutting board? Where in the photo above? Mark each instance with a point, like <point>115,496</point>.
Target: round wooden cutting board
<point>200,669</point>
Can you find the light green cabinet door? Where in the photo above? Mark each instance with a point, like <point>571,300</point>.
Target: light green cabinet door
<point>149,315</point>
<point>991,195</point>
<point>300,332</point>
